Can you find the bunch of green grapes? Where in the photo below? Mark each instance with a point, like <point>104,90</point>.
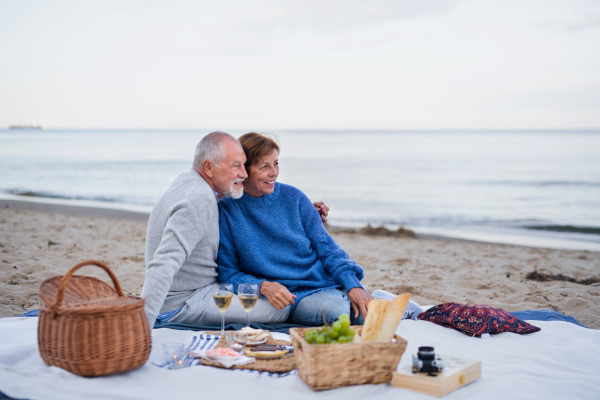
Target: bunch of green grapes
<point>339,332</point>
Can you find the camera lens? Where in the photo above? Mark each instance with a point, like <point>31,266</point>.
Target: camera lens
<point>426,353</point>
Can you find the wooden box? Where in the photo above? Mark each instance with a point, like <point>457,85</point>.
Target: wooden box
<point>457,373</point>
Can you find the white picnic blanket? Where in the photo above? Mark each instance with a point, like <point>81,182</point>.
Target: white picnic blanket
<point>559,362</point>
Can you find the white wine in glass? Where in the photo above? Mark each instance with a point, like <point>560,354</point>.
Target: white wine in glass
<point>248,294</point>
<point>222,295</point>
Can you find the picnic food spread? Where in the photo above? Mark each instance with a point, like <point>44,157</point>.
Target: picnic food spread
<point>371,358</point>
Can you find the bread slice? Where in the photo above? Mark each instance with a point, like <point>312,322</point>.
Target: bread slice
<point>255,335</point>
<point>393,316</point>
<point>374,320</point>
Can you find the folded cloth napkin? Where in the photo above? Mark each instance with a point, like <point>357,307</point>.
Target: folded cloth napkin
<point>227,362</point>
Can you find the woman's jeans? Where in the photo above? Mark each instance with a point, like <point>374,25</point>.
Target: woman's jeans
<point>333,302</point>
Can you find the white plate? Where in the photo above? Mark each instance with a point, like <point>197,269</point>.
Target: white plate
<point>256,343</point>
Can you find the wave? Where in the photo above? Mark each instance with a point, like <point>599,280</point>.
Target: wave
<point>51,195</point>
<point>589,230</point>
<point>539,183</point>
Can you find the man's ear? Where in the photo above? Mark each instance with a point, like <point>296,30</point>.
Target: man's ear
<point>208,168</point>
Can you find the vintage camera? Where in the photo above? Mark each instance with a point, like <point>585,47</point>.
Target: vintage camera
<point>426,361</point>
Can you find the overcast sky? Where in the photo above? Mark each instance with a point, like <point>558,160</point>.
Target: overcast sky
<point>311,64</point>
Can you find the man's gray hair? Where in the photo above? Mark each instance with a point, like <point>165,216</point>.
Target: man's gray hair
<point>211,148</point>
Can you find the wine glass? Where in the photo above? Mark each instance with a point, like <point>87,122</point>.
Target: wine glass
<point>248,294</point>
<point>222,295</point>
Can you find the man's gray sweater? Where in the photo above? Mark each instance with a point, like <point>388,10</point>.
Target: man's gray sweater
<point>182,242</point>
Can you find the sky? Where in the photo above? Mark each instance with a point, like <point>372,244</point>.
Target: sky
<point>312,64</point>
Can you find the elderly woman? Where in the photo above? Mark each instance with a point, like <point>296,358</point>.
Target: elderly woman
<point>273,236</point>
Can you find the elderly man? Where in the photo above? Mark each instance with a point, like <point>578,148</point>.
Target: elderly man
<point>182,240</point>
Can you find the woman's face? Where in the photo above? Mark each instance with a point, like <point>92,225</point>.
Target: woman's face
<point>262,176</point>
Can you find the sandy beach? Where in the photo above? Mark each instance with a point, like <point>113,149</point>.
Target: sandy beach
<point>38,241</point>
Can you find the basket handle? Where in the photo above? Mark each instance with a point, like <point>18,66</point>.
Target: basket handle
<point>65,280</point>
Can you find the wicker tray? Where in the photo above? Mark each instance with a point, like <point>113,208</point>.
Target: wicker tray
<point>283,364</point>
<point>330,366</point>
<point>89,328</point>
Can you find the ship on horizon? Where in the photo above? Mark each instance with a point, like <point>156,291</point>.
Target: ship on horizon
<point>27,127</point>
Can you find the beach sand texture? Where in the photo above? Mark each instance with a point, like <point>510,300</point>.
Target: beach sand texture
<point>37,245</point>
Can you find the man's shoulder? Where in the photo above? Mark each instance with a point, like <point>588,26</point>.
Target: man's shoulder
<point>189,189</point>
<point>192,184</point>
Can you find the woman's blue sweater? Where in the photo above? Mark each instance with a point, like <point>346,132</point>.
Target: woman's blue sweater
<point>279,237</point>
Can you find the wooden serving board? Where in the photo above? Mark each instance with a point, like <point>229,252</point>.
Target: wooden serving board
<point>286,363</point>
<point>457,373</point>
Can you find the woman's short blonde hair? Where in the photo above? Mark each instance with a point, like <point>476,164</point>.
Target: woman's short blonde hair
<point>256,146</point>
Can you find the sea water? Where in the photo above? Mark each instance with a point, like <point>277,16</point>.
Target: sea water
<point>530,187</point>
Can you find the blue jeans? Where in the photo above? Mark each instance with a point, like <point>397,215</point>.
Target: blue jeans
<point>200,309</point>
<point>333,302</point>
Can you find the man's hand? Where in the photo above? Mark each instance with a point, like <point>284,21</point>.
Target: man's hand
<point>323,210</point>
<point>277,294</point>
<point>359,299</point>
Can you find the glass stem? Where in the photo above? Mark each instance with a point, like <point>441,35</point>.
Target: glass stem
<point>247,319</point>
<point>222,324</point>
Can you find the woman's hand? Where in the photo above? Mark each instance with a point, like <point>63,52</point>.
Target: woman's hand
<point>323,210</point>
<point>359,299</point>
<point>277,294</point>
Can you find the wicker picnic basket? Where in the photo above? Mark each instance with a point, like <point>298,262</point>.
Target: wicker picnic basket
<point>89,328</point>
<point>330,366</point>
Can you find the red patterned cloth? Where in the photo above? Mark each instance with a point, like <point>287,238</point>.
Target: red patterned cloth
<point>476,319</point>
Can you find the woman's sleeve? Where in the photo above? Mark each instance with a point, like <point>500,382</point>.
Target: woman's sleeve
<point>337,262</point>
<point>228,259</point>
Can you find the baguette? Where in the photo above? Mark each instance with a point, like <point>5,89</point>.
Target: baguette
<point>374,320</point>
<point>393,315</point>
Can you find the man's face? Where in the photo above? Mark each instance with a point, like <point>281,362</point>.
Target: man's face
<point>229,175</point>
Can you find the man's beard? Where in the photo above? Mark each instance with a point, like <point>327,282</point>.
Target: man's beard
<point>235,193</point>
